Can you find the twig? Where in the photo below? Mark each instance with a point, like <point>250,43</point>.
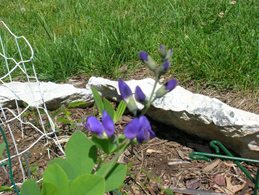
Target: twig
<point>194,192</point>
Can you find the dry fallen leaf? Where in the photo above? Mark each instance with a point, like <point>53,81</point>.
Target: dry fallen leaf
<point>232,188</point>
<point>211,166</point>
<point>193,183</point>
<point>218,179</point>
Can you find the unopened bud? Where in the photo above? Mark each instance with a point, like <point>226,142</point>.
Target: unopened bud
<point>169,86</point>
<point>162,51</point>
<point>164,68</point>
<point>148,60</point>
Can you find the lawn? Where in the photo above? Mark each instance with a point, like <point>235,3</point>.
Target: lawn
<point>214,42</point>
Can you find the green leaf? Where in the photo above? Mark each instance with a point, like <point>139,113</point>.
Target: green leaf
<point>63,107</point>
<point>30,187</point>
<point>120,110</point>
<point>56,113</point>
<point>108,107</point>
<point>115,177</point>
<point>87,184</point>
<point>67,113</point>
<point>25,104</point>
<point>98,100</point>
<point>104,144</point>
<point>67,168</point>
<point>72,126</point>
<point>49,189</point>
<point>54,174</point>
<point>26,113</point>
<point>81,153</point>
<point>75,104</point>
<point>6,189</point>
<point>169,191</point>
<point>64,120</point>
<point>2,147</point>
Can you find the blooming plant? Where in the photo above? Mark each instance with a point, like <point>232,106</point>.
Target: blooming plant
<point>83,171</point>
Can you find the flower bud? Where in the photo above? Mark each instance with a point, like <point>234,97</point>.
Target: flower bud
<point>169,55</point>
<point>127,97</point>
<point>164,68</point>
<point>162,51</point>
<point>148,60</point>
<point>169,86</point>
<point>140,96</point>
<point>132,106</point>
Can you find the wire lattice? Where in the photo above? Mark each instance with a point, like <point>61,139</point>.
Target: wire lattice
<point>16,62</point>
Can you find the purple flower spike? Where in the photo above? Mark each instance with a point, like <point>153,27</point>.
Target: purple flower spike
<point>139,95</point>
<point>140,130</point>
<point>143,56</point>
<point>171,84</point>
<point>125,91</point>
<point>102,131</point>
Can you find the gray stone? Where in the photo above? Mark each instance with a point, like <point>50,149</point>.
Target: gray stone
<point>196,114</point>
<point>54,95</point>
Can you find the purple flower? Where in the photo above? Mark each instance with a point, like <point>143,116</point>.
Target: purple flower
<point>127,97</point>
<point>164,68</point>
<point>148,60</point>
<point>162,51</point>
<point>164,89</point>
<point>139,95</point>
<point>140,130</point>
<point>102,131</point>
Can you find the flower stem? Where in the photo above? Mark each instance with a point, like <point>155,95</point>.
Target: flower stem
<point>151,96</point>
<point>99,164</point>
<point>113,162</point>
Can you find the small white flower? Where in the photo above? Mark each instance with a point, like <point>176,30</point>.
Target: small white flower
<point>23,10</point>
<point>232,2</point>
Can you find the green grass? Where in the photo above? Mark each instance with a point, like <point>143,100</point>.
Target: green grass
<point>73,37</point>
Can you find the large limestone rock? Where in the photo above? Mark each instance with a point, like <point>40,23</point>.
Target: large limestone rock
<point>195,114</point>
<point>54,95</point>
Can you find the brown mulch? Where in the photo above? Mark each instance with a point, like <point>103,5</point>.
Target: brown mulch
<point>162,163</point>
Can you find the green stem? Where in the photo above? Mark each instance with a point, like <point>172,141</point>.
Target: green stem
<point>99,164</point>
<point>151,96</point>
<point>113,162</point>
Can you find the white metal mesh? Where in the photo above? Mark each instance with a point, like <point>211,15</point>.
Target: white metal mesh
<point>16,62</point>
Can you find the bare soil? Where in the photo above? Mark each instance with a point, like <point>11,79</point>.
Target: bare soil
<point>162,163</point>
